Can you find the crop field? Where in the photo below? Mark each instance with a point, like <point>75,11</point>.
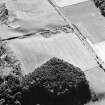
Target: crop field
<point>90,22</point>
<point>87,16</point>
<point>35,50</point>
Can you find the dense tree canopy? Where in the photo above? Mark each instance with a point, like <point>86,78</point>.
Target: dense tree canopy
<point>56,83</point>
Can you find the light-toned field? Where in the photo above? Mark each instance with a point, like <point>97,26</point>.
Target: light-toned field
<point>26,17</point>
<point>88,16</point>
<point>101,102</point>
<point>88,19</point>
<point>100,49</point>
<point>96,78</point>
<point>35,50</point>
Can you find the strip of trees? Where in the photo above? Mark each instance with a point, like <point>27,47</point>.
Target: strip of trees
<point>54,83</point>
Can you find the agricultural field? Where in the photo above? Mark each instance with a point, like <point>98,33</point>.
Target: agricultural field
<point>87,17</point>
